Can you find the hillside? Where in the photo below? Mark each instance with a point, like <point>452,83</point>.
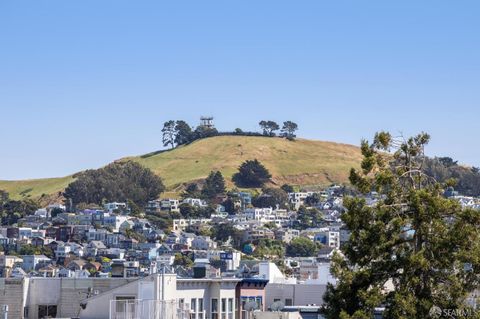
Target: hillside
<point>300,162</point>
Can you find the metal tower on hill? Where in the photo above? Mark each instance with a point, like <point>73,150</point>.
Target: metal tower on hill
<point>206,121</point>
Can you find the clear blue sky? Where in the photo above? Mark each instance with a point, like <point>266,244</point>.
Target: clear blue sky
<point>86,82</point>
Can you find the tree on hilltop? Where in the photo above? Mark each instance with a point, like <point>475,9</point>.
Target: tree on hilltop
<point>269,127</point>
<point>288,130</point>
<point>168,131</point>
<point>183,133</point>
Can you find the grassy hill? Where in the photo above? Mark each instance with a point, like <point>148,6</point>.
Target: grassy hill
<point>301,162</point>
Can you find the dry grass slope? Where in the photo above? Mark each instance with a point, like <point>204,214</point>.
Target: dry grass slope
<point>300,162</point>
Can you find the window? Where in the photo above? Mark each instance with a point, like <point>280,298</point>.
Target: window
<point>125,304</point>
<point>214,308</point>
<point>200,308</point>
<point>224,308</point>
<point>259,303</point>
<point>288,302</point>
<point>230,308</point>
<point>193,308</point>
<point>47,311</point>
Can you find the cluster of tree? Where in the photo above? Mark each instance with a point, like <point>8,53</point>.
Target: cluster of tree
<point>162,221</point>
<point>251,173</point>
<point>269,248</point>
<point>425,245</point>
<point>177,133</point>
<point>302,247</point>
<point>308,218</point>
<point>12,210</point>
<point>189,211</point>
<point>445,168</point>
<point>183,259</point>
<point>119,181</point>
<point>29,249</point>
<point>271,197</point>
<point>224,232</point>
<point>270,127</point>
<point>211,187</point>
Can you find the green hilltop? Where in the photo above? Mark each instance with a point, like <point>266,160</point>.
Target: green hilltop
<point>301,162</point>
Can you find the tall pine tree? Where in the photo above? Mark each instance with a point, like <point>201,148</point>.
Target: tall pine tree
<point>411,251</point>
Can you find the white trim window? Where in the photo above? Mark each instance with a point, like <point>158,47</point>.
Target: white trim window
<point>193,308</point>
<point>224,308</point>
<point>230,308</point>
<point>200,309</point>
<point>214,308</point>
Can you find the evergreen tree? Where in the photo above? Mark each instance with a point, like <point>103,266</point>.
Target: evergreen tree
<point>287,188</point>
<point>214,185</point>
<point>119,181</point>
<point>168,131</point>
<point>183,133</point>
<point>271,197</point>
<point>251,173</point>
<point>424,246</point>
<point>269,127</point>
<point>288,130</point>
<point>302,247</point>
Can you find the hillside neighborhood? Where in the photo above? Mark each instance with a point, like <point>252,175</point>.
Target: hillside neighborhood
<point>285,252</point>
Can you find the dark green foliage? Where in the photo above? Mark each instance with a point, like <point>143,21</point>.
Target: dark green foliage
<point>163,222</point>
<point>12,210</point>
<point>447,161</point>
<point>135,210</point>
<point>426,246</point>
<point>29,249</point>
<point>271,197</point>
<point>183,260</point>
<point>288,130</point>
<point>308,217</point>
<point>204,132</point>
<point>287,188</point>
<point>222,232</point>
<point>444,168</point>
<point>302,247</point>
<point>119,181</point>
<point>312,200</point>
<point>268,248</point>
<point>191,191</point>
<point>189,211</point>
<point>55,211</point>
<point>214,185</point>
<point>269,127</point>
<point>183,133</point>
<point>251,173</point>
<point>168,132</point>
<point>176,133</point>
<point>229,205</point>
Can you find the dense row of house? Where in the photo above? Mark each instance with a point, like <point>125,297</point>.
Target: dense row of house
<point>96,244</point>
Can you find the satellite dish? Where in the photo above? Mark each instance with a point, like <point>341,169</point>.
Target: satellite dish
<point>251,305</point>
<point>277,306</point>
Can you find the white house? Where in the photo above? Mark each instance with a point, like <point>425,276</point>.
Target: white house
<point>203,243</point>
